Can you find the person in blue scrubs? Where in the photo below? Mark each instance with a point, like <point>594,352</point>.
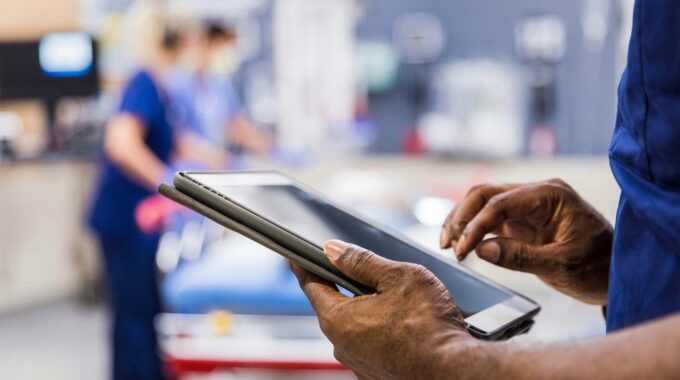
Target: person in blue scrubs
<point>204,99</point>
<point>140,146</point>
<point>412,329</point>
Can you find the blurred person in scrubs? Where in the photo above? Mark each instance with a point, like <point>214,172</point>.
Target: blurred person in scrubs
<point>204,98</point>
<point>139,146</point>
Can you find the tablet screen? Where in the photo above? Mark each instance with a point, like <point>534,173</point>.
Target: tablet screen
<point>317,221</point>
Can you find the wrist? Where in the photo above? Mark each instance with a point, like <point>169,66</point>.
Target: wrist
<point>597,270</point>
<point>469,358</point>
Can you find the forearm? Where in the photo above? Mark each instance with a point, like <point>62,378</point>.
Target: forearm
<point>646,351</point>
<point>138,162</point>
<point>595,271</point>
<point>124,146</point>
<point>194,148</point>
<point>249,136</point>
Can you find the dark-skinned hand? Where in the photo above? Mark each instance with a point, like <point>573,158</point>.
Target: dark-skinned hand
<point>403,331</point>
<point>543,228</point>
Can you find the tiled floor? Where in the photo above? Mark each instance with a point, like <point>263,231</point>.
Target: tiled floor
<point>60,341</point>
<point>68,341</point>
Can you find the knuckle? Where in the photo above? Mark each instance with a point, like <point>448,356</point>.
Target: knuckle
<point>418,272</point>
<point>520,258</point>
<point>552,187</point>
<point>340,356</point>
<point>326,325</point>
<point>356,257</point>
<point>497,202</point>
<point>557,188</point>
<point>479,189</point>
<point>560,194</point>
<point>459,227</point>
<point>418,269</point>
<point>570,264</point>
<point>302,276</point>
<point>358,260</point>
<point>396,274</point>
<point>476,188</point>
<point>559,182</point>
<point>517,256</point>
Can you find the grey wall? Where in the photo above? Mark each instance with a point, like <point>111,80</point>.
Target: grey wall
<point>484,28</point>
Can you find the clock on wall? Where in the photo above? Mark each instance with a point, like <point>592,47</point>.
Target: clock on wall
<point>419,38</point>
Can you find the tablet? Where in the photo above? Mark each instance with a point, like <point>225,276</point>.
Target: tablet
<point>299,220</point>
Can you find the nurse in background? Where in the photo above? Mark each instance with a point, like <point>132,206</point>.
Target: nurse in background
<point>139,146</point>
<point>204,98</point>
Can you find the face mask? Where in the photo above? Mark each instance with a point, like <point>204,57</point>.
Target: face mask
<point>224,61</point>
<point>190,59</point>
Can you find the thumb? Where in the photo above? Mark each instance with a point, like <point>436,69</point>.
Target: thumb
<point>516,255</point>
<point>358,263</point>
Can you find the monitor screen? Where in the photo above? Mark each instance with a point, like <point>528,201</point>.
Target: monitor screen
<point>58,65</point>
<point>66,54</point>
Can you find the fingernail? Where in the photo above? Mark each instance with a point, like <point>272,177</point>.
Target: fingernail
<point>444,238</point>
<point>334,248</point>
<point>490,252</point>
<point>459,243</point>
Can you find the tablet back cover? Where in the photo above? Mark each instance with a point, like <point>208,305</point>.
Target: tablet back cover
<point>177,196</point>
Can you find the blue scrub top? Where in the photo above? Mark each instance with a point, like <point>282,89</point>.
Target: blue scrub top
<point>203,104</point>
<point>118,195</point>
<point>645,158</point>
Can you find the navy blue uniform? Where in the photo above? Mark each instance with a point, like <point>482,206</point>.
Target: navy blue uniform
<point>129,254</point>
<point>645,158</point>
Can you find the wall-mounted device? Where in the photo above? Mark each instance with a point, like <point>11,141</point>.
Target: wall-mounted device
<point>58,65</point>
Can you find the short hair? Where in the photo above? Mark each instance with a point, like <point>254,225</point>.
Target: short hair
<point>150,30</point>
<point>214,30</point>
<point>172,37</point>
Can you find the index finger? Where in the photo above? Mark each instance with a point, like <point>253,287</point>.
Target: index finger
<point>465,211</point>
<point>323,295</point>
<point>511,205</point>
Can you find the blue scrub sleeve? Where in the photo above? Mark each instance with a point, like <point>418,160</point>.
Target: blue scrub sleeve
<point>233,100</point>
<point>141,99</point>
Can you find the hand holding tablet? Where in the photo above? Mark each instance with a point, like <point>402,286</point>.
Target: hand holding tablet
<point>413,312</point>
<point>295,222</point>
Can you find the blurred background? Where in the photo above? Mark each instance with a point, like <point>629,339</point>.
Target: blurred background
<point>395,108</point>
